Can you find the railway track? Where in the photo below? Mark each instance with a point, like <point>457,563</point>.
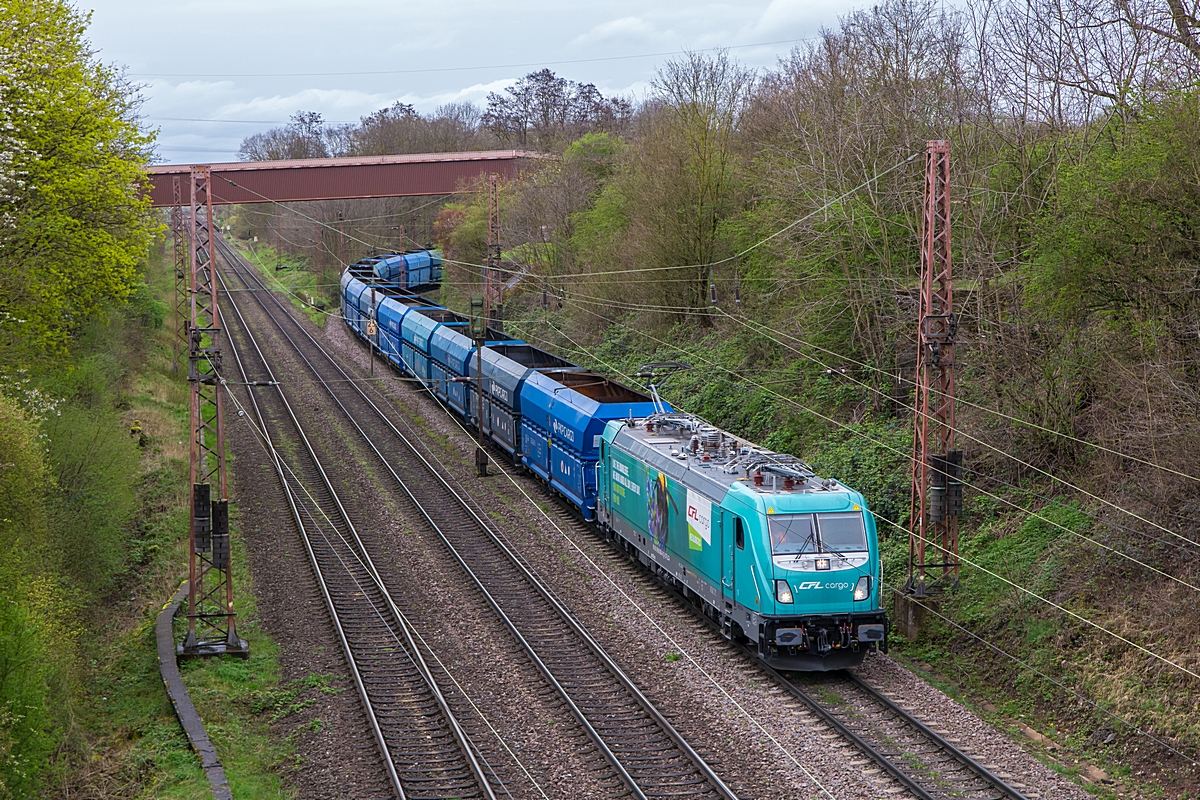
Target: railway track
<point>426,752</point>
<point>924,761</point>
<point>645,755</point>
<point>921,760</point>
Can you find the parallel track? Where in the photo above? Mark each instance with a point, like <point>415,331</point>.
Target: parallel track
<point>650,757</point>
<point>425,752</point>
<point>917,757</point>
<point>920,758</point>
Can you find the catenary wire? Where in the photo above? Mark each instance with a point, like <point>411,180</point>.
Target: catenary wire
<point>930,542</point>
<point>264,441</point>
<point>666,636</point>
<point>1008,502</point>
<point>997,412</point>
<point>462,69</point>
<point>274,455</point>
<point>741,253</point>
<point>599,360</point>
<point>763,330</point>
<point>809,344</point>
<point>1046,677</point>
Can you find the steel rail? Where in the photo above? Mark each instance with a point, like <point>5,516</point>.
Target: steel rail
<point>564,614</point>
<point>979,769</point>
<point>412,651</point>
<point>529,650</point>
<point>830,718</point>
<point>571,515</point>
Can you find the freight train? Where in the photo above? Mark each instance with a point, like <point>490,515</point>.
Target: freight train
<point>775,555</point>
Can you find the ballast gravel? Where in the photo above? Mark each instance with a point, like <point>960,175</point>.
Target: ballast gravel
<point>763,741</point>
<point>506,692</point>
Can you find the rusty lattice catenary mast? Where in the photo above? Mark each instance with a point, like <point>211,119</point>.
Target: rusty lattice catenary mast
<point>936,498</point>
<point>493,288</point>
<point>211,627</point>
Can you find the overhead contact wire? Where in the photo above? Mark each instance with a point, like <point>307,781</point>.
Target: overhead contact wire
<point>1000,498</point>
<point>955,624</point>
<point>263,438</point>
<point>884,445</point>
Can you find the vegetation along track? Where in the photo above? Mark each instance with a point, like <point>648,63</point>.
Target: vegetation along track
<point>651,758</point>
<point>425,750</point>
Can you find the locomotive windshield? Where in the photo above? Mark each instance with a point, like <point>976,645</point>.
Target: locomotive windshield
<point>842,533</point>
<point>792,533</point>
<point>831,533</point>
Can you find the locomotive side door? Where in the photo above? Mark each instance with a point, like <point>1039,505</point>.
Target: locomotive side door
<point>728,536</point>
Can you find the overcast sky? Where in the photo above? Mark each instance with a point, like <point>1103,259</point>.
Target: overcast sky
<point>217,71</point>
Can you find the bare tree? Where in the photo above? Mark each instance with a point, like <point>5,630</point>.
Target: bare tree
<point>547,111</point>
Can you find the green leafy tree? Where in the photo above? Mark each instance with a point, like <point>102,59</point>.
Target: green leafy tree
<point>74,218</point>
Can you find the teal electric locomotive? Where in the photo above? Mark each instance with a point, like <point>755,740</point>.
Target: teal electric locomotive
<point>776,555</point>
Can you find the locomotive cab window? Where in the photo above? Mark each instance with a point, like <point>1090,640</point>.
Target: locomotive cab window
<point>842,533</point>
<point>792,533</point>
<point>739,533</point>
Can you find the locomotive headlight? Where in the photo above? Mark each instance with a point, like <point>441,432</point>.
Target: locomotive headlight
<point>783,592</point>
<point>822,563</point>
<point>862,590</point>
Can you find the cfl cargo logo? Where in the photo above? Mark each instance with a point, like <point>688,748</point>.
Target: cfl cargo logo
<point>821,585</point>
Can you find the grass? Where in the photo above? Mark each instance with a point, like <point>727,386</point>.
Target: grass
<point>293,276</point>
<point>1047,557</point>
<point>128,742</point>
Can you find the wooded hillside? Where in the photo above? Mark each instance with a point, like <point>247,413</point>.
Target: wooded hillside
<point>793,194</point>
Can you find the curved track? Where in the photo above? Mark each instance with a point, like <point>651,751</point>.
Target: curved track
<point>647,754</point>
<point>425,751</point>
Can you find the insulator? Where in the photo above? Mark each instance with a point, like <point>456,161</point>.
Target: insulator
<point>545,301</point>
<point>737,295</point>
<point>712,293</point>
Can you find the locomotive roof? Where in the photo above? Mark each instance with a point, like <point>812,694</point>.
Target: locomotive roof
<point>712,460</point>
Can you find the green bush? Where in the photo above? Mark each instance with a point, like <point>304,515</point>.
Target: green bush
<point>95,464</point>
<point>27,662</point>
<point>145,309</point>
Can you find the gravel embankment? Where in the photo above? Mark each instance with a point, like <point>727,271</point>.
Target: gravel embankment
<point>769,744</point>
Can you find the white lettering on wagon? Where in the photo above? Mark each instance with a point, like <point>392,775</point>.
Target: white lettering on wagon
<point>562,430</point>
<point>499,391</point>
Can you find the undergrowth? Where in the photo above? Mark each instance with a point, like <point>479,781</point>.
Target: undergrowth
<point>1032,536</point>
